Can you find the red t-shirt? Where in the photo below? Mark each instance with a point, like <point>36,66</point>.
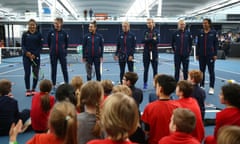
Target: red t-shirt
<point>228,116</point>
<point>39,118</point>
<point>191,104</point>
<point>157,115</point>
<point>179,138</point>
<point>108,141</point>
<point>48,138</point>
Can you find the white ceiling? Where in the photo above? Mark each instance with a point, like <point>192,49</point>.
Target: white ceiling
<point>114,8</point>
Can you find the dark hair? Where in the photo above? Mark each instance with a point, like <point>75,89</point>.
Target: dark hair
<point>209,21</point>
<point>46,87</point>
<point>185,87</point>
<point>231,93</point>
<point>32,20</point>
<point>66,92</point>
<point>167,82</point>
<point>107,86</point>
<point>5,87</point>
<point>59,19</point>
<point>94,23</point>
<point>132,77</point>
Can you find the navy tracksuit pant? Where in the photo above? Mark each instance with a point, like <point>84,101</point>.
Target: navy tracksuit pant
<point>89,63</point>
<point>122,65</point>
<point>54,61</point>
<point>27,65</point>
<point>209,62</point>
<point>146,62</point>
<point>178,60</point>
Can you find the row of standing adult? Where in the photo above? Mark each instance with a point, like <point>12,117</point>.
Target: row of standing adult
<point>206,51</point>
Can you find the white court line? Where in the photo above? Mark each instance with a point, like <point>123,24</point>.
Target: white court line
<point>211,111</point>
<point>195,64</point>
<point>11,71</point>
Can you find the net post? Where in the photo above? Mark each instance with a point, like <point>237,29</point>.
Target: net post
<point>0,55</point>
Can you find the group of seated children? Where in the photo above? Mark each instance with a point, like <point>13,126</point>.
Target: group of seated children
<point>101,113</point>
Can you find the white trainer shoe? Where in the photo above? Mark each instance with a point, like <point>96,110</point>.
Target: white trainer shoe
<point>211,91</point>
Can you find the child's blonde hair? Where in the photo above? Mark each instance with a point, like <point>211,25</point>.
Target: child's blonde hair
<point>63,121</point>
<point>119,116</point>
<point>229,135</point>
<point>123,89</point>
<point>91,95</point>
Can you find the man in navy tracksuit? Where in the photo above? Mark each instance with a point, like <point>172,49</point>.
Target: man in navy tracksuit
<point>126,43</point>
<point>150,52</point>
<point>182,46</point>
<point>206,52</point>
<point>31,45</point>
<point>58,44</point>
<point>93,51</point>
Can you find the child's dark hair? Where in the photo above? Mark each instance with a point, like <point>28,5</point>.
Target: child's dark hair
<point>231,93</point>
<point>5,87</point>
<point>131,76</point>
<point>185,87</point>
<point>63,121</point>
<point>45,87</point>
<point>66,92</point>
<point>91,95</point>
<point>167,82</point>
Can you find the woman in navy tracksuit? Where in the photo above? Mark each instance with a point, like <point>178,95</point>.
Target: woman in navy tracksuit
<point>58,44</point>
<point>126,43</point>
<point>182,46</point>
<point>31,45</point>
<point>93,50</point>
<point>206,52</point>
<point>150,52</point>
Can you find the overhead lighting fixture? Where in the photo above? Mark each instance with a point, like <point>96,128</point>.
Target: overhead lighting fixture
<point>142,7</point>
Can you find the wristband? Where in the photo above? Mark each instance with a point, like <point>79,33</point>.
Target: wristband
<point>15,142</point>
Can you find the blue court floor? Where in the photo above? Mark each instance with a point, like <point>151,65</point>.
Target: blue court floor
<point>12,69</point>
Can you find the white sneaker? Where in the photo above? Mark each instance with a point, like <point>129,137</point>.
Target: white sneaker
<point>202,87</point>
<point>211,91</point>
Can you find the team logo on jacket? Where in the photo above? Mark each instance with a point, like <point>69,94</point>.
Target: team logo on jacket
<point>177,35</point>
<point>121,37</point>
<point>52,34</point>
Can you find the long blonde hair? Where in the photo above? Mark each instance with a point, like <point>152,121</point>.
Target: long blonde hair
<point>119,116</point>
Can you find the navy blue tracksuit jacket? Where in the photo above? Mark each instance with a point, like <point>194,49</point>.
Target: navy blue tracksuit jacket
<point>206,49</point>
<point>182,46</point>
<point>58,44</point>
<point>31,43</point>
<point>150,52</point>
<point>93,51</point>
<point>126,43</point>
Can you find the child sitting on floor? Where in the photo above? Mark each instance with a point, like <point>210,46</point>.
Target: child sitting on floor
<point>62,127</point>
<point>183,122</point>
<point>230,97</point>
<point>119,119</point>
<point>9,112</point>
<point>42,103</point>
<point>184,91</point>
<point>195,77</point>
